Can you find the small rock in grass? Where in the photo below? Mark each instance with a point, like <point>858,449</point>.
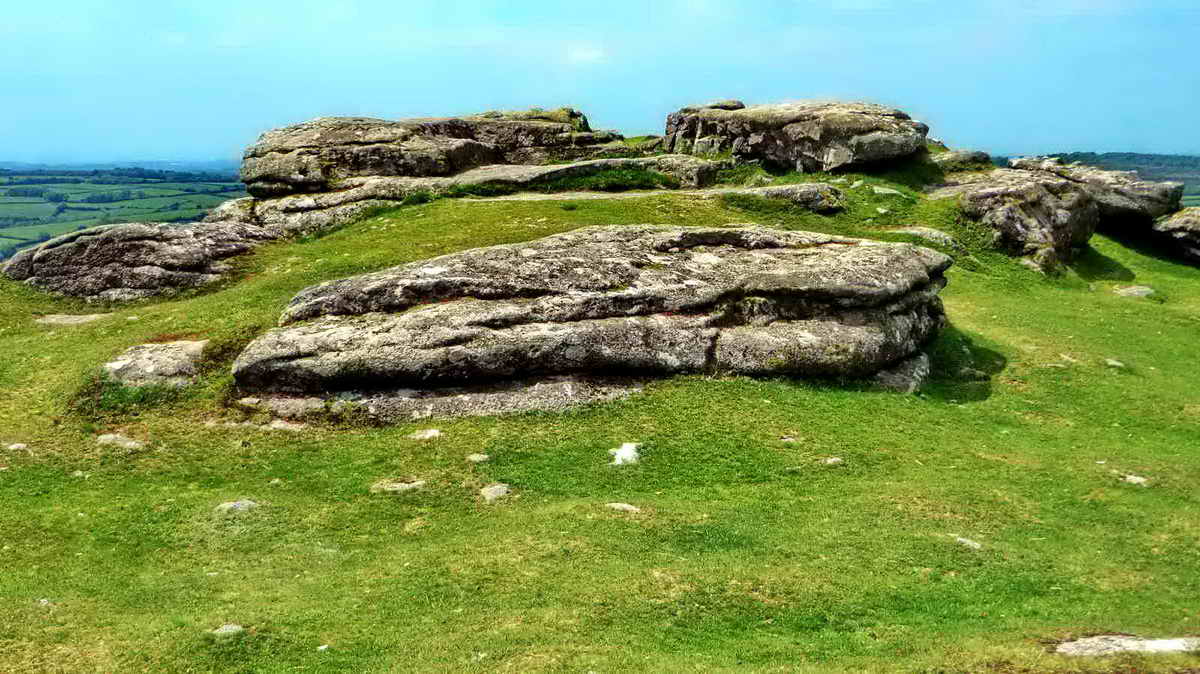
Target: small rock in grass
<point>886,191</point>
<point>787,438</point>
<point>974,545</point>
<point>323,647</point>
<point>1134,291</point>
<point>45,603</point>
<point>275,483</point>
<point>623,507</point>
<point>493,492</point>
<point>625,454</point>
<point>857,184</point>
<point>882,211</point>
<point>118,440</point>
<point>833,461</point>
<point>69,319</point>
<point>18,447</point>
<point>229,631</point>
<point>285,425</point>
<point>79,473</point>
<point>427,434</point>
<point>1114,363</point>
<point>396,486</point>
<point>235,507</point>
<point>478,458</point>
<point>1112,644</point>
<point>250,402</point>
<point>1135,479</point>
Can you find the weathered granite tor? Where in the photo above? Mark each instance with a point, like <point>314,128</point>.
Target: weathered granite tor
<point>315,156</point>
<point>1046,210</point>
<point>1182,232</point>
<point>134,261</point>
<point>802,136</point>
<point>573,311</point>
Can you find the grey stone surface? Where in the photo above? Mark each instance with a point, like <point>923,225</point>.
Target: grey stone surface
<point>807,136</point>
<point>1034,214</point>
<point>396,486</point>
<point>1114,644</point>
<point>228,632</point>
<point>623,507</point>
<point>1134,291</point>
<point>1121,196</point>
<point>314,156</point>
<point>1181,231</point>
<point>235,507</point>
<point>933,235</point>
<point>962,160</point>
<point>816,197</point>
<point>644,300</point>
<point>119,440</point>
<point>134,261</point>
<point>165,364</point>
<point>69,319</point>
<point>907,376</point>
<point>495,492</point>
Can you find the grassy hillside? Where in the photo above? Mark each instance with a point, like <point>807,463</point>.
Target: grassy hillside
<point>750,553</point>
<point>38,205</point>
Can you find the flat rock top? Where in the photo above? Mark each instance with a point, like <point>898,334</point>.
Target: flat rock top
<point>866,115</point>
<point>648,268</point>
<point>1187,220</point>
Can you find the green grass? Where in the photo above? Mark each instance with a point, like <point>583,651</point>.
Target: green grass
<point>1191,200</point>
<point>749,554</point>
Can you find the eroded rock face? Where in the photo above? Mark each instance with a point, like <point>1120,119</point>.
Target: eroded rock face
<point>1046,211</point>
<point>1034,214</point>
<point>962,160</point>
<point>1120,195</point>
<point>315,155</point>
<point>1182,232</point>
<point>803,136</point>
<point>134,261</point>
<point>640,300</point>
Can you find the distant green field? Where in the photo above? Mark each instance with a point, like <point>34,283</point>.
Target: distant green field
<point>1191,200</point>
<point>35,207</point>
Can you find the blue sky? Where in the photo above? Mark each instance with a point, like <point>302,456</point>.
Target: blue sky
<point>88,80</point>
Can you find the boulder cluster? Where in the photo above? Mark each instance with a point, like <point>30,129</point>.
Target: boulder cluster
<point>1046,211</point>
<point>590,314</point>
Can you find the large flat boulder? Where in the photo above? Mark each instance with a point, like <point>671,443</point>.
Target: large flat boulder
<point>314,156</point>
<point>169,364</point>
<point>605,301</point>
<point>802,136</point>
<point>134,261</point>
<point>1181,231</point>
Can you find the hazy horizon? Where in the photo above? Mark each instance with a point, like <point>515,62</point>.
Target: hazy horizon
<point>112,82</point>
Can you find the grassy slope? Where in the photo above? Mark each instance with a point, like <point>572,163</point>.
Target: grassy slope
<point>749,553</point>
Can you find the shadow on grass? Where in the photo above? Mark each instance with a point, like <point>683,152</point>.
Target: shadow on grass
<point>1092,265</point>
<point>1144,243</point>
<point>962,368</point>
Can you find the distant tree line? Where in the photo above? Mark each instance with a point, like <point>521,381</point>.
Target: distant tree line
<point>117,176</point>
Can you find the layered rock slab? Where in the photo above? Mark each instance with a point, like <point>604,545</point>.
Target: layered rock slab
<point>608,301</point>
<point>313,156</point>
<point>134,261</point>
<point>803,136</point>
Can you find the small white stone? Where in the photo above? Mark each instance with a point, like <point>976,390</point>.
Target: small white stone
<point>323,647</point>
<point>249,402</point>
<point>974,545</point>
<point>236,507</point>
<point>427,434</point>
<point>18,447</point>
<point>623,507</point>
<point>1111,362</point>
<point>625,454</point>
<point>1135,479</point>
<point>833,461</point>
<point>118,440</point>
<point>857,184</point>
<point>275,483</point>
<point>478,458</point>
<point>882,211</point>
<point>1134,291</point>
<point>886,191</point>
<point>79,473</point>
<point>787,438</point>
<point>493,492</point>
<point>396,486</point>
<point>285,425</point>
